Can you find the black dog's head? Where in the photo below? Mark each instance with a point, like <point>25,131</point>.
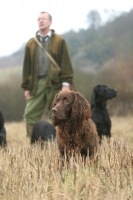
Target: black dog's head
<point>101,94</point>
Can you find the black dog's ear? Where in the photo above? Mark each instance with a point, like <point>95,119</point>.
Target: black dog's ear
<point>1,121</point>
<point>98,89</point>
<point>93,96</point>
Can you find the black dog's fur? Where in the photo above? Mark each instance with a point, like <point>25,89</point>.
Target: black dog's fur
<point>43,131</point>
<point>2,131</point>
<point>100,115</point>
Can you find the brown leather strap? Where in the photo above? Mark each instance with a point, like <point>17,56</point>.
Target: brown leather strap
<point>50,57</point>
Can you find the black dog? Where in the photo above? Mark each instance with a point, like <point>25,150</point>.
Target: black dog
<point>2,131</point>
<point>43,131</point>
<point>99,111</point>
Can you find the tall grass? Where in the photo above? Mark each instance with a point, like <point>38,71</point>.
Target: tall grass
<point>29,172</point>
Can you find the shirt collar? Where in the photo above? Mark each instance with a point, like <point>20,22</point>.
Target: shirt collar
<point>48,34</point>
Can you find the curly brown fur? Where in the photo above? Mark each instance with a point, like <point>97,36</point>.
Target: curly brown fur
<point>76,132</point>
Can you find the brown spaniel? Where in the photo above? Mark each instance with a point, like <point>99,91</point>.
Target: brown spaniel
<point>76,132</point>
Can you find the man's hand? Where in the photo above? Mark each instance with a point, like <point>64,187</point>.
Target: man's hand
<point>27,94</point>
<point>64,87</point>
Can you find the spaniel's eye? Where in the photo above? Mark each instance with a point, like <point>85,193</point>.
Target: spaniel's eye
<point>57,100</point>
<point>66,101</point>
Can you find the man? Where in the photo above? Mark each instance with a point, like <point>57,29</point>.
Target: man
<point>41,78</point>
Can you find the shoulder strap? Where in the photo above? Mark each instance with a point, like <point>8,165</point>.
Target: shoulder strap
<point>50,57</point>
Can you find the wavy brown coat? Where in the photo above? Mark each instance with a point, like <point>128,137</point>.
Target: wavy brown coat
<point>75,131</point>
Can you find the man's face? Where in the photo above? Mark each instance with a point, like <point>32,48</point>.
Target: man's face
<point>44,21</point>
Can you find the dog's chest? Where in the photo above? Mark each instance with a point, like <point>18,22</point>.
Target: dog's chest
<point>70,140</point>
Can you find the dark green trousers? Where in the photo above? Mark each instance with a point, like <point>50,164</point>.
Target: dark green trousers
<point>36,104</point>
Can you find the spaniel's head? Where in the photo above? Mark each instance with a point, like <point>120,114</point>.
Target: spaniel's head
<point>70,106</point>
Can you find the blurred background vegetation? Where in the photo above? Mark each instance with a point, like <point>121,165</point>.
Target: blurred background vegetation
<point>101,54</point>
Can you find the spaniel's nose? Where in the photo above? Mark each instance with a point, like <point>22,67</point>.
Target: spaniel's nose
<point>54,110</point>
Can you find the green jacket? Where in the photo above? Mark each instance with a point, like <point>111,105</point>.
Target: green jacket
<point>59,51</point>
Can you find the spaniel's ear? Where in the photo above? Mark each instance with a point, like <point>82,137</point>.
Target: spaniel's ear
<point>54,122</point>
<point>80,108</point>
<point>53,103</point>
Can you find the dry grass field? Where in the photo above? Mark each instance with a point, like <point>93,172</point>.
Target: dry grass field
<point>32,173</point>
